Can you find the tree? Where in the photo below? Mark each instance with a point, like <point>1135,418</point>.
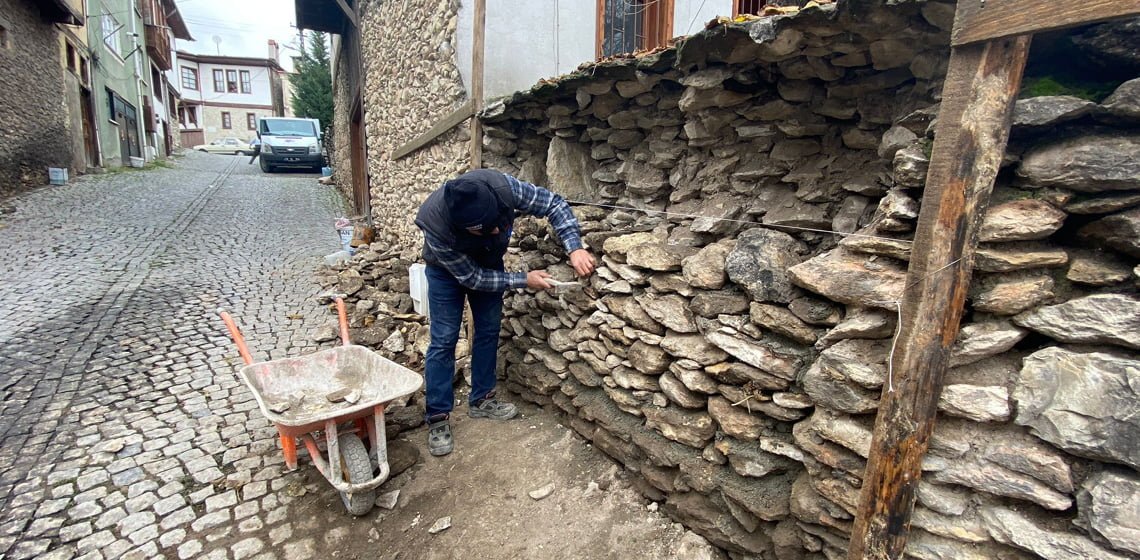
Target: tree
<point>312,84</point>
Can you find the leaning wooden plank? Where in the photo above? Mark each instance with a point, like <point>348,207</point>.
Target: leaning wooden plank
<point>973,125</point>
<point>982,20</point>
<point>477,54</point>
<point>459,115</point>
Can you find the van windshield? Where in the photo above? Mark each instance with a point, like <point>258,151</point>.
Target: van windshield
<point>288,128</point>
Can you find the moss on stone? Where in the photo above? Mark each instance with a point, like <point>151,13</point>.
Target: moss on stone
<point>1040,86</point>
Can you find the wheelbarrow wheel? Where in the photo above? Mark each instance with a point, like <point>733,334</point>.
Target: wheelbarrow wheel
<point>357,469</point>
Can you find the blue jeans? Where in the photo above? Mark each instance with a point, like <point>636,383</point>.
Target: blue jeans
<point>445,304</point>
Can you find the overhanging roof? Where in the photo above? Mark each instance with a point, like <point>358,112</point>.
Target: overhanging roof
<point>322,15</point>
<point>176,23</point>
<point>229,60</point>
<point>61,11</point>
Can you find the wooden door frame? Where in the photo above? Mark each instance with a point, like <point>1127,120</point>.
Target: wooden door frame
<point>358,160</point>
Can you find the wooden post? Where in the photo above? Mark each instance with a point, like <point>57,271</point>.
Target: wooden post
<point>478,42</point>
<point>973,125</point>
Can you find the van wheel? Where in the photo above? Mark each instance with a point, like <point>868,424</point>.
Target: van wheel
<point>265,167</point>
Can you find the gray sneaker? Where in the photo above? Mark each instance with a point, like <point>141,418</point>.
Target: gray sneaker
<point>492,408</point>
<point>439,438</point>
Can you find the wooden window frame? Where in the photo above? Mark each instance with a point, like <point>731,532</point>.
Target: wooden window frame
<point>227,121</point>
<point>232,80</point>
<point>193,75</point>
<point>736,11</point>
<point>657,23</point>
<point>245,81</point>
<point>219,80</point>
<point>251,121</point>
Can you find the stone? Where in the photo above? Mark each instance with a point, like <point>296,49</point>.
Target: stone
<point>1103,204</point>
<point>1010,296</point>
<point>1020,220</point>
<point>1097,269</point>
<point>827,389</point>
<point>1089,163</point>
<point>1118,231</point>
<point>840,275</point>
<point>978,341</point>
<point>695,99</point>
<point>694,379</point>
<point>1095,319</point>
<point>721,302</point>
<point>894,139</point>
<point>1124,103</point>
<point>442,524</point>
<point>692,347</point>
<point>1109,505</point>
<point>569,165</point>
<point>717,215</point>
<point>943,499</point>
<point>630,311</point>
<point>1008,257</point>
<point>388,500</point>
<point>1032,457</point>
<point>617,247</point>
<point>540,493</point>
<point>1012,528</point>
<point>707,78</point>
<point>671,310</point>
<point>859,139</point>
<point>694,547</point>
<point>679,394</point>
<point>911,165</point>
<point>642,179</point>
<point>995,480</point>
<point>648,359</point>
<point>706,268</point>
<point>846,219</point>
<point>658,256</point>
<point>748,458</point>
<point>980,404</point>
<point>736,421</point>
<point>1045,111</point>
<point>891,53</point>
<point>694,429</point>
<point>794,149</point>
<point>760,261</point>
<point>782,321</point>
<point>897,205</point>
<point>1084,403</point>
<point>863,324</point>
<point>816,311</point>
<point>324,333</point>
<point>769,356</point>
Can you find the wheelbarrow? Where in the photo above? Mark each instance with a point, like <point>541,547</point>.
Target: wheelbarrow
<point>314,395</point>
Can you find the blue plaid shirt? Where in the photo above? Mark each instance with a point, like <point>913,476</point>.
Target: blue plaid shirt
<point>530,200</point>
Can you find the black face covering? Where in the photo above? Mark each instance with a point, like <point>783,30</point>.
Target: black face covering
<point>487,250</point>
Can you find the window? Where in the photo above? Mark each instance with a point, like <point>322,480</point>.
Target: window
<point>189,78</point>
<point>5,40</point>
<point>219,81</point>
<point>251,121</point>
<point>231,81</point>
<point>626,26</point>
<point>226,122</point>
<point>246,84</point>
<point>111,31</point>
<point>72,59</point>
<point>749,7</point>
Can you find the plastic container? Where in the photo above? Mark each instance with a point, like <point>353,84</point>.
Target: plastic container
<point>418,286</point>
<point>337,258</point>
<point>57,175</point>
<point>326,172</point>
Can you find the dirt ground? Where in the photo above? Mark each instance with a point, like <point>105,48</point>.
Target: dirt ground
<point>483,486</point>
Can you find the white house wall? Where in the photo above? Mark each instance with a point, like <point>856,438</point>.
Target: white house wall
<point>528,41</point>
<point>259,82</point>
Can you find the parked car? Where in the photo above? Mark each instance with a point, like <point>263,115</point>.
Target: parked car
<point>234,146</point>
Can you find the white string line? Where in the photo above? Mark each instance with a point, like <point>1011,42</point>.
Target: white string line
<point>752,222</point>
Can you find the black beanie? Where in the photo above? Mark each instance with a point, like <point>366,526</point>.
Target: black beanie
<point>471,204</point>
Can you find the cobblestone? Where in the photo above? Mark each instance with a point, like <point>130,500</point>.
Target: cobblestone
<point>119,404</point>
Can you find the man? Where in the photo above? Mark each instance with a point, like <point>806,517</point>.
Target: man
<point>467,226</point>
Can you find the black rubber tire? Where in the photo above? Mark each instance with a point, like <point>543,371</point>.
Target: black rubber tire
<point>265,167</point>
<point>357,468</point>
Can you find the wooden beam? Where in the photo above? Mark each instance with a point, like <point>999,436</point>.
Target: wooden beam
<point>447,123</point>
<point>982,20</point>
<point>348,12</point>
<point>973,126</point>
<point>477,48</point>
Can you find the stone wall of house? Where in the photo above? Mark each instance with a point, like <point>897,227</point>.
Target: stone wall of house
<point>340,149</point>
<point>33,117</point>
<point>733,354</point>
<point>753,199</point>
<point>411,81</point>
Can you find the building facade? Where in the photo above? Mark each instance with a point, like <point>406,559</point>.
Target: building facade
<point>120,72</point>
<point>37,130</point>
<point>164,26</point>
<point>223,96</point>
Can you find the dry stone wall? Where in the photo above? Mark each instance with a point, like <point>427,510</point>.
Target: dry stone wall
<point>411,81</point>
<point>733,352</point>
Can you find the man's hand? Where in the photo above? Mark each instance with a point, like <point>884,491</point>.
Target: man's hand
<point>583,262</point>
<point>536,280</point>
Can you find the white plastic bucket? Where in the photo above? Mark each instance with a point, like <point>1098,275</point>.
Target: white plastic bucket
<point>418,286</point>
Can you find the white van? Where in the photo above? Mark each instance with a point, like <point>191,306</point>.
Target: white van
<point>289,142</point>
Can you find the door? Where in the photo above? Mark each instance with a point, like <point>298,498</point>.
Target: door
<point>191,138</point>
<point>361,194</point>
<point>88,109</point>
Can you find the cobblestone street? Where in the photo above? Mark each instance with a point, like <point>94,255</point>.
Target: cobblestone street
<point>124,431</point>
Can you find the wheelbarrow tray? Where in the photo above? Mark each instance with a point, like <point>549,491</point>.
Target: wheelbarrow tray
<point>304,382</point>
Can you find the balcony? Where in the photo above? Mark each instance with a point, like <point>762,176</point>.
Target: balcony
<point>158,46</point>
